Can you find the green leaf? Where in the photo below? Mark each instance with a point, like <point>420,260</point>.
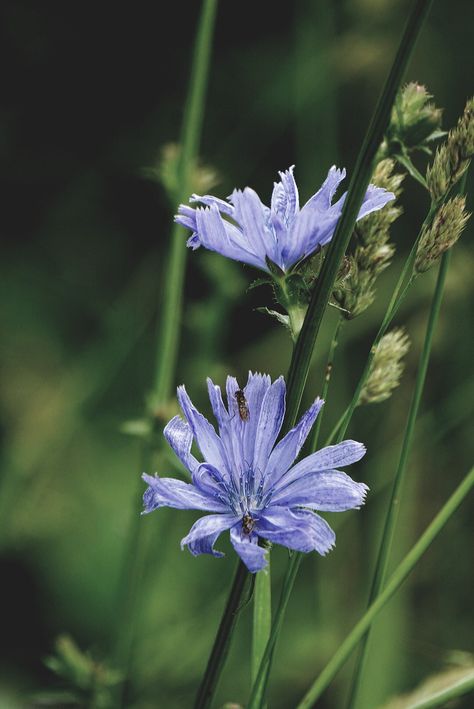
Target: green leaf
<point>282,319</point>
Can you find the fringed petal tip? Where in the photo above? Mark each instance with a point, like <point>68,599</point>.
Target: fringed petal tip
<point>150,502</point>
<point>364,490</point>
<point>285,173</point>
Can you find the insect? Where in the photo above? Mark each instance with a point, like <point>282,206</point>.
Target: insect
<point>242,405</point>
<point>248,523</point>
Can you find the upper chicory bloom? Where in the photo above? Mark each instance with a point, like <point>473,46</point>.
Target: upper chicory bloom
<point>252,486</point>
<point>246,230</point>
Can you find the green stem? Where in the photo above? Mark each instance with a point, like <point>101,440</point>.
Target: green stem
<point>262,618</point>
<point>394,504</point>
<point>393,584</point>
<point>222,641</point>
<point>257,695</point>
<point>303,350</point>
<point>358,185</point>
<point>443,696</point>
<point>327,378</point>
<point>168,336</point>
<point>170,323</point>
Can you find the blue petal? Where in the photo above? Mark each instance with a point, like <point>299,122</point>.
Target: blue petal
<point>250,213</point>
<point>203,534</point>
<point>297,529</point>
<point>218,408</point>
<point>246,546</point>
<point>328,458</point>
<point>285,198</point>
<point>209,201</point>
<point>168,492</point>
<point>232,387</point>
<point>375,198</point>
<point>239,436</point>
<point>287,450</point>
<point>271,417</point>
<point>331,491</point>
<point>180,437</point>
<point>225,238</point>
<point>315,224</point>
<point>322,200</point>
<point>207,439</point>
<point>193,241</point>
<point>211,482</point>
<point>186,217</point>
<point>254,391</point>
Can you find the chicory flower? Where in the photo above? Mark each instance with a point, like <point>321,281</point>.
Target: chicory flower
<point>251,486</point>
<point>246,230</point>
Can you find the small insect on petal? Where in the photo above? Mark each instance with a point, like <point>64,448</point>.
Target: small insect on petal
<point>242,405</point>
<point>248,523</point>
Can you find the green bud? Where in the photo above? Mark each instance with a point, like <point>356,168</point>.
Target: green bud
<point>452,158</point>
<point>443,232</point>
<point>386,368</point>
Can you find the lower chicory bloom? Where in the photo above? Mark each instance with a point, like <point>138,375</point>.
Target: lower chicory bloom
<point>246,230</point>
<point>253,487</point>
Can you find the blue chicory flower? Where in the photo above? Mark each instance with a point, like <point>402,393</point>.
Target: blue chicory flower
<point>246,230</point>
<point>253,487</point>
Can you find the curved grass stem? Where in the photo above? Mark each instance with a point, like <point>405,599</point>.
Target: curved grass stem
<point>393,584</point>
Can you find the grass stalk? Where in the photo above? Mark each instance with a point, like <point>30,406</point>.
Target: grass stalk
<point>168,335</point>
<point>393,584</point>
<point>394,504</point>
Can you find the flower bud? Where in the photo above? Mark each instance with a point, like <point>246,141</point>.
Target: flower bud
<point>443,232</point>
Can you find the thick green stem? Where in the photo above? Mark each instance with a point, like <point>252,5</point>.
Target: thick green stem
<point>257,696</point>
<point>393,584</point>
<point>262,618</point>
<point>222,641</point>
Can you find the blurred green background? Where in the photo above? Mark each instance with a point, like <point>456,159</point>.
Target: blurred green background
<point>92,93</point>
